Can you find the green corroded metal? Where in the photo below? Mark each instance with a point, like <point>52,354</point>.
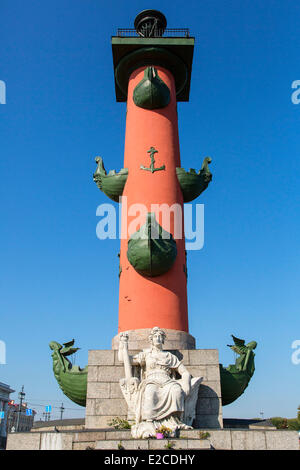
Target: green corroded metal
<point>151,250</point>
<point>173,53</point>
<point>152,168</point>
<point>151,92</point>
<point>112,184</point>
<point>236,377</point>
<point>71,379</point>
<point>150,56</point>
<point>193,184</point>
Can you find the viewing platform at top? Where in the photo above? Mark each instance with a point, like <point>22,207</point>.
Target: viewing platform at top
<point>150,42</point>
<point>168,32</point>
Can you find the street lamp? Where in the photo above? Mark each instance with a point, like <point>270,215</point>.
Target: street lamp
<point>21,398</point>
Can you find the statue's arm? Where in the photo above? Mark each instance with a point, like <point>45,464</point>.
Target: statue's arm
<point>123,346</point>
<point>185,379</point>
<point>123,354</point>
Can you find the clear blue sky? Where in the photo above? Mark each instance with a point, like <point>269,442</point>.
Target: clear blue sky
<point>58,281</point>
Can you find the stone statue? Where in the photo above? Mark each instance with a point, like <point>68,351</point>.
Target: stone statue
<point>157,398</point>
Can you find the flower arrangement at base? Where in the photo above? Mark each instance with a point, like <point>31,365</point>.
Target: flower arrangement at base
<point>163,432</point>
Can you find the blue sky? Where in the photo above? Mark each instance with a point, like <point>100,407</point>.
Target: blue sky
<point>58,281</point>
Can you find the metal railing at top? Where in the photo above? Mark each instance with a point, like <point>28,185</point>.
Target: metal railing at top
<point>168,32</point>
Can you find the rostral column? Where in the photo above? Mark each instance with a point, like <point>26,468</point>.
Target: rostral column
<point>152,69</point>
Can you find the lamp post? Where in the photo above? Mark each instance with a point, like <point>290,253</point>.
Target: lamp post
<point>62,409</point>
<point>21,398</point>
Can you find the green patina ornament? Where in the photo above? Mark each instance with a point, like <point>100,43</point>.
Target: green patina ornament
<point>235,378</point>
<point>152,168</point>
<point>112,184</point>
<point>151,250</point>
<point>193,184</point>
<point>131,53</point>
<point>151,92</point>
<point>71,379</point>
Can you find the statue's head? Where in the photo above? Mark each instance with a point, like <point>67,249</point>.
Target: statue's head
<point>56,347</point>
<point>157,337</point>
<point>251,345</point>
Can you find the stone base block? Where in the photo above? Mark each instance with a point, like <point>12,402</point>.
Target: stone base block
<point>105,400</point>
<point>222,439</point>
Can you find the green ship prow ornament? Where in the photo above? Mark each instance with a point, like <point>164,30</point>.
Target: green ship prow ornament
<point>112,183</point>
<point>151,250</point>
<point>71,379</point>
<point>151,92</point>
<point>235,378</point>
<point>192,184</point>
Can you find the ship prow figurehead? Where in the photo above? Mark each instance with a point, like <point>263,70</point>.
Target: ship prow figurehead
<point>71,378</point>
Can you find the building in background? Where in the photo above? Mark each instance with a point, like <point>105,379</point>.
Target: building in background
<point>19,420</point>
<point>5,391</point>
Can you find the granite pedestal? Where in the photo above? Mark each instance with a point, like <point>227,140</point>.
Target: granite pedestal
<point>105,400</point>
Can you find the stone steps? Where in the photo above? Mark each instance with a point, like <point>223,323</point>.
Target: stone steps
<point>154,444</point>
<point>107,439</point>
<point>113,439</point>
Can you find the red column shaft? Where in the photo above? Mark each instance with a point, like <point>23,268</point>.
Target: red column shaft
<point>145,302</point>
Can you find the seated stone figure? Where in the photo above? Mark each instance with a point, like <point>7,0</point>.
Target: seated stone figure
<point>157,398</point>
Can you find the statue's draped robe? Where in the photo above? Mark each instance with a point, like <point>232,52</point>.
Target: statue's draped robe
<point>159,394</point>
